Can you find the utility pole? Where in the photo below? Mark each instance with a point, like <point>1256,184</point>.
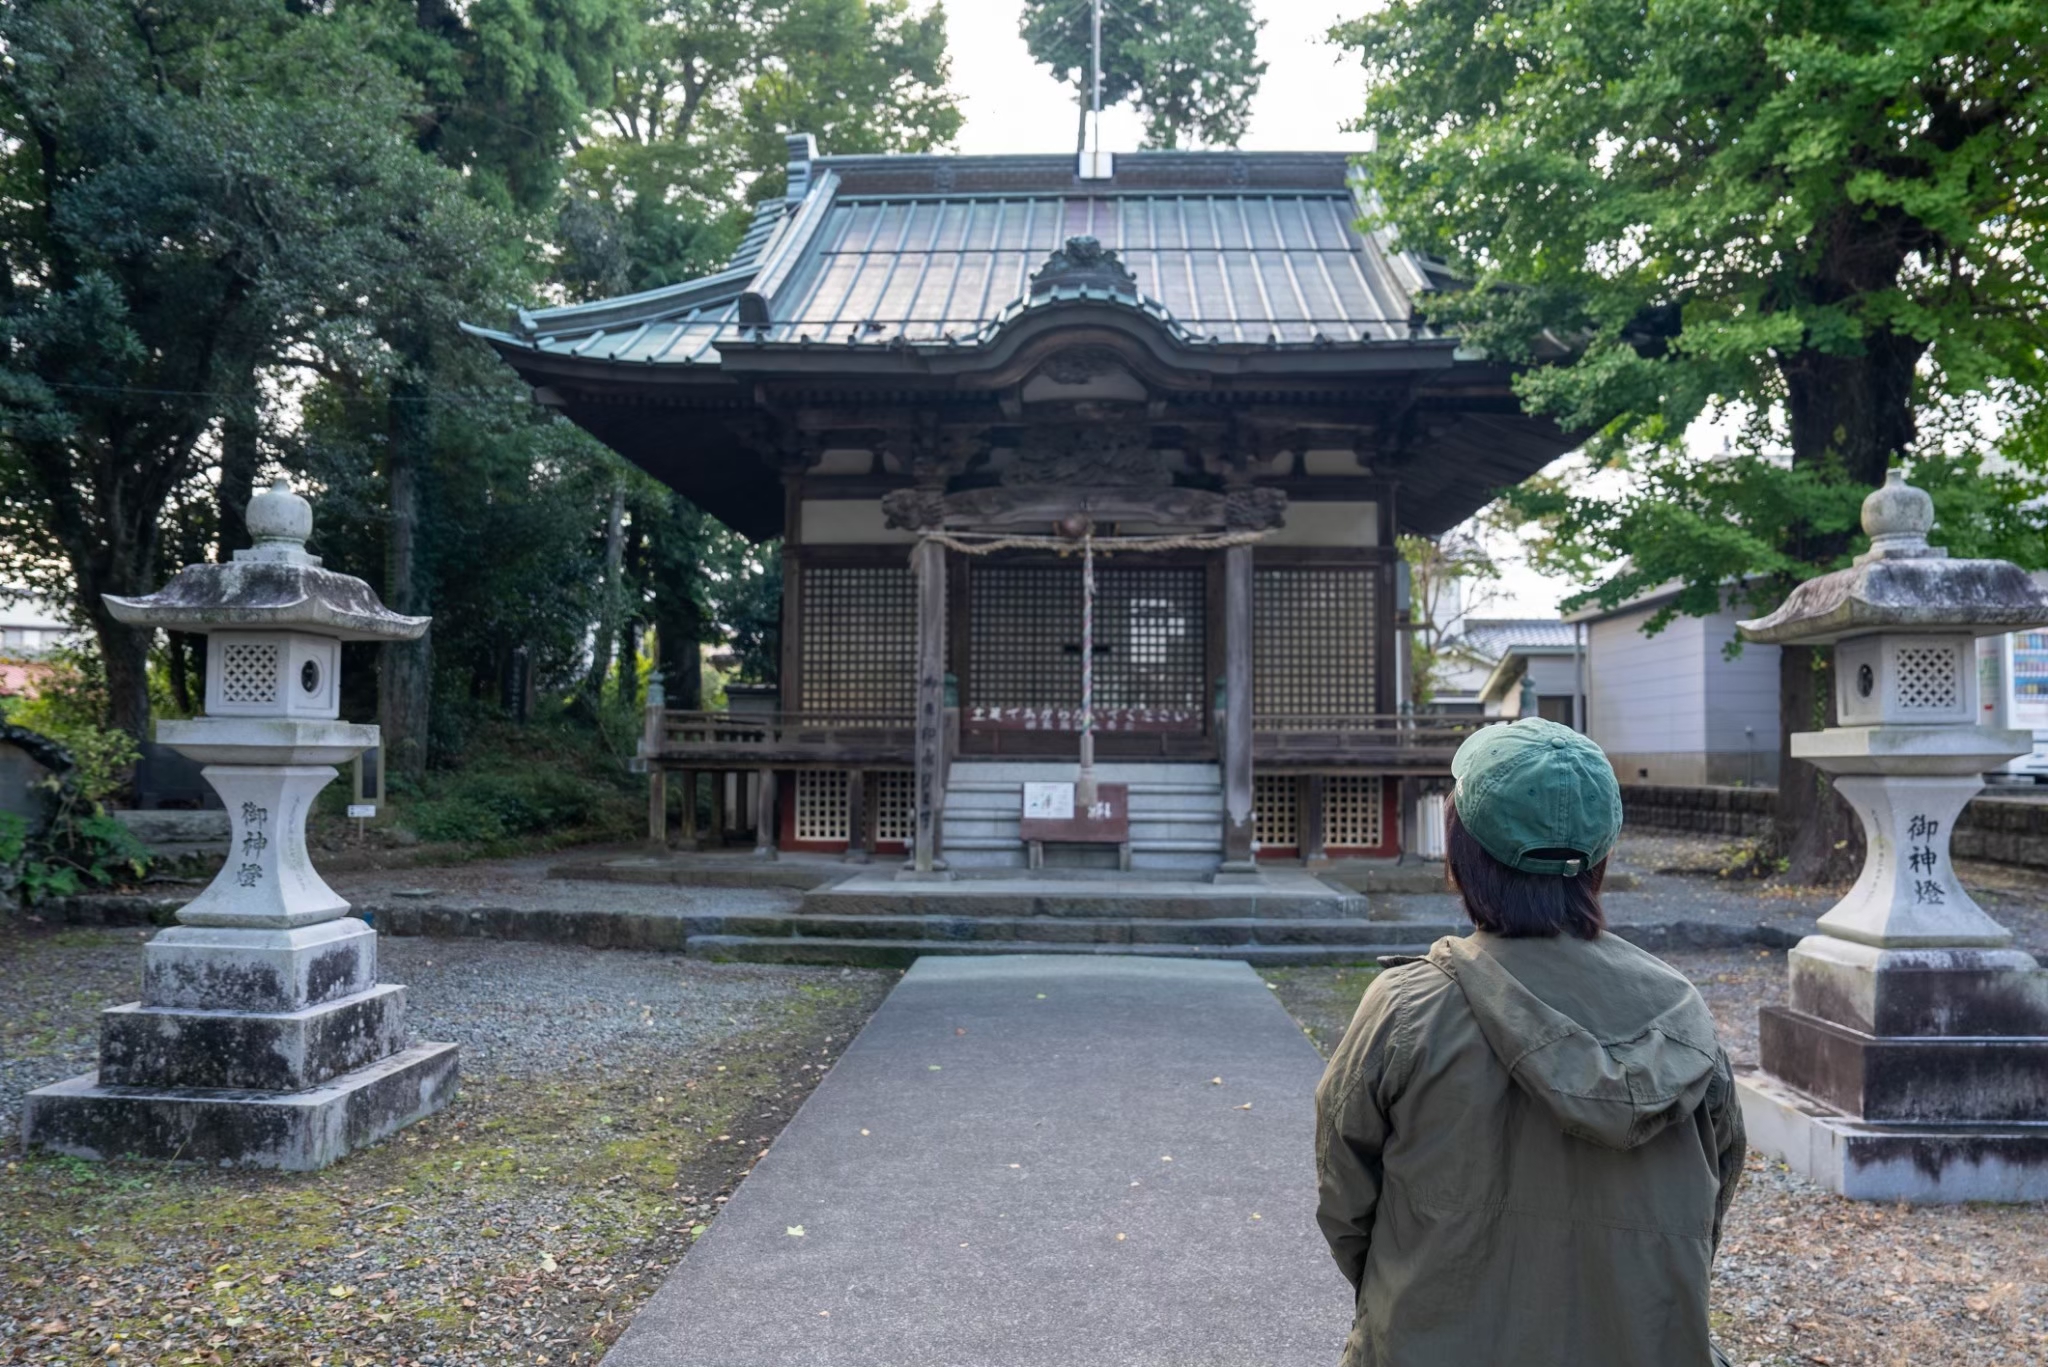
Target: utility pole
<point>1095,164</point>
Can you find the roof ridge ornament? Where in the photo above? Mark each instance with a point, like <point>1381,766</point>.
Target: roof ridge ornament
<point>803,150</point>
<point>1084,263</point>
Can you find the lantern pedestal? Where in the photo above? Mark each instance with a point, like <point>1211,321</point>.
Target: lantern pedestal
<point>263,1037</point>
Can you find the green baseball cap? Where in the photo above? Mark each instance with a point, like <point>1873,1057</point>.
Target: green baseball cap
<point>1536,785</point>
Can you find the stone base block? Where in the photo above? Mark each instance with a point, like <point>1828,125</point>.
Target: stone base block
<point>155,1046</point>
<point>299,1131</point>
<point>221,968</point>
<point>1919,991</point>
<point>1973,1080</point>
<point>1924,1164</point>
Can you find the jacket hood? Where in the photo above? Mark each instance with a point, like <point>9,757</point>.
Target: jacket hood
<point>1610,1040</point>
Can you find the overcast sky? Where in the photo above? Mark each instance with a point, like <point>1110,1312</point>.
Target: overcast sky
<point>1310,91</point>
<point>1014,105</point>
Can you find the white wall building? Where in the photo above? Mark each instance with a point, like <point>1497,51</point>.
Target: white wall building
<point>1674,708</point>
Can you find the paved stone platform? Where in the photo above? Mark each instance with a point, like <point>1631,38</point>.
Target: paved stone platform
<point>1026,1161</point>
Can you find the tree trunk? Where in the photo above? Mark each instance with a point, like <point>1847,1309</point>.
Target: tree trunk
<point>608,608</point>
<point>1813,829</point>
<point>1855,410</point>
<point>241,452</point>
<point>405,680</point>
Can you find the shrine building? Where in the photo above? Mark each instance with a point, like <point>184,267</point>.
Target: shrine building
<point>946,382</point>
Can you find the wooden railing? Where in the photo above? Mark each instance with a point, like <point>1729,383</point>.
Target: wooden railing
<point>744,738</point>
<point>1306,736</point>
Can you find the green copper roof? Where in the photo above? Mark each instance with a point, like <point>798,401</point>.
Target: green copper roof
<point>1227,249</point>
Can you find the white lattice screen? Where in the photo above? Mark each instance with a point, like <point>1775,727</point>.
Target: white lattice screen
<point>1928,678</point>
<point>248,672</point>
<point>895,806</point>
<point>1276,811</point>
<point>821,805</point>
<point>1352,811</point>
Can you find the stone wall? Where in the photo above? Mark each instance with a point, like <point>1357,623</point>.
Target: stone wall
<point>1999,829</point>
<point>1730,812</point>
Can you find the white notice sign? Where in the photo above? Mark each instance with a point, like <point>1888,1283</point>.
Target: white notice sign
<point>362,811</point>
<point>1048,802</point>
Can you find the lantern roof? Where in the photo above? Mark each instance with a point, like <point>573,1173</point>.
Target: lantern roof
<point>273,585</point>
<point>1903,584</point>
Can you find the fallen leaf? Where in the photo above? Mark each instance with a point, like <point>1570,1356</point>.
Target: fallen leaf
<point>933,1067</point>
<point>795,1231</point>
<point>547,1262</point>
<point>341,1293</point>
<point>864,1134</point>
<point>1119,1238</point>
<point>1246,1107</point>
<point>1215,1082</point>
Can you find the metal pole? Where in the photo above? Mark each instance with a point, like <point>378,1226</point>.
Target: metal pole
<point>1095,78</point>
<point>1084,783</point>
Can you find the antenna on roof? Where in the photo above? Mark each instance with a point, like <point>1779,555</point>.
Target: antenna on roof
<point>1096,164</point>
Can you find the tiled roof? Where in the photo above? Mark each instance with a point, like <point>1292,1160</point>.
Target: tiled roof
<point>1492,638</point>
<point>1228,249</point>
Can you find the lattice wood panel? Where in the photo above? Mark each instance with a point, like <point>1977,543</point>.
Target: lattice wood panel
<point>858,645</point>
<point>821,805</point>
<point>1276,811</point>
<point>1024,636</point>
<point>895,795</point>
<point>1314,646</point>
<point>1353,812</point>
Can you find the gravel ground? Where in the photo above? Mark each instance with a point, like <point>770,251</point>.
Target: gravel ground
<point>1679,878</point>
<point>610,1102</point>
<point>1805,1277</point>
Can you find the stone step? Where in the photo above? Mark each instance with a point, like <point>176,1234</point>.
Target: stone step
<point>1075,896</point>
<point>902,953</point>
<point>1107,930</point>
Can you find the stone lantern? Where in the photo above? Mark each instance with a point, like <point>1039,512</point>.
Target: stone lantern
<point>263,1036</point>
<point>1912,1061</point>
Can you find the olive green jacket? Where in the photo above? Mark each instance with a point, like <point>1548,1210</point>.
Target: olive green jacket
<point>1526,1148</point>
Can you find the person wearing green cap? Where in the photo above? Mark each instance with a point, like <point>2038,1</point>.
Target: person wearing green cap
<point>1527,1141</point>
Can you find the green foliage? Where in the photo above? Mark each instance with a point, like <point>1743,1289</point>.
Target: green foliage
<point>698,106</point>
<point>552,780</point>
<point>1445,579</point>
<point>1190,67</point>
<point>77,845</point>
<point>1830,220</point>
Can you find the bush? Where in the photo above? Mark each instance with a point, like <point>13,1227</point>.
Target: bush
<point>561,780</point>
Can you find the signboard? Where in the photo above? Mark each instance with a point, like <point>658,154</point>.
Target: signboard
<point>1048,802</point>
<point>1068,719</point>
<point>362,811</point>
<point>1107,822</point>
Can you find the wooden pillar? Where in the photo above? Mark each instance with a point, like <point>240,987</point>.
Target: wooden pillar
<point>857,817</point>
<point>765,807</point>
<point>1315,797</point>
<point>657,806</point>
<point>686,838</point>
<point>1237,710</point>
<point>929,726</point>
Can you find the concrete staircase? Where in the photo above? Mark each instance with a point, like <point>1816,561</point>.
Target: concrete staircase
<point>1176,815</point>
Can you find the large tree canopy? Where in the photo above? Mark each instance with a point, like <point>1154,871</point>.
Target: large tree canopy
<point>193,192</point>
<point>698,107</point>
<point>1189,67</point>
<point>1830,220</point>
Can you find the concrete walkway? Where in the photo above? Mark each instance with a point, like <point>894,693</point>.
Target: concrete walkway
<point>1025,1160</point>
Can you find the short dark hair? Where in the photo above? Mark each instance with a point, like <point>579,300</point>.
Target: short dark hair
<point>1515,904</point>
